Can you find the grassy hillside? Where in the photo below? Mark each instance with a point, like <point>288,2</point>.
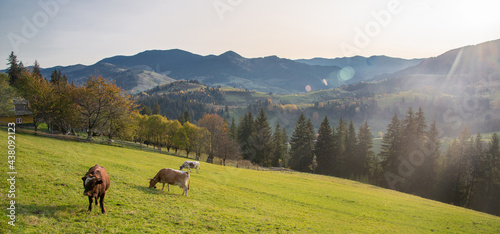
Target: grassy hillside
<point>222,199</point>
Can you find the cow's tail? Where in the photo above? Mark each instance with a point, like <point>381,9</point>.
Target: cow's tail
<point>189,180</point>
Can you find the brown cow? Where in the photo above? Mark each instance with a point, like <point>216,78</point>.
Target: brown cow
<point>96,182</point>
<point>171,177</point>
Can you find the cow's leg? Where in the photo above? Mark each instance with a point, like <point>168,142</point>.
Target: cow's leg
<point>90,203</point>
<point>197,170</point>
<point>168,186</point>
<point>185,191</point>
<point>163,187</point>
<point>101,203</point>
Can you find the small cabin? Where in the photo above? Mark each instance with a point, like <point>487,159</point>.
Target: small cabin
<point>22,114</point>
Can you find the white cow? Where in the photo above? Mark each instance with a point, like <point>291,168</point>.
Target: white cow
<point>191,164</point>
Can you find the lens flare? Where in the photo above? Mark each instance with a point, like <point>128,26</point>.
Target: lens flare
<point>346,73</point>
<point>308,88</point>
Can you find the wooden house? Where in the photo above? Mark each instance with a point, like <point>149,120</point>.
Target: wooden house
<point>22,115</point>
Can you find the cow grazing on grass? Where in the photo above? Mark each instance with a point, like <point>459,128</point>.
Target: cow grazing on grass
<point>171,177</point>
<point>190,164</point>
<point>96,182</point>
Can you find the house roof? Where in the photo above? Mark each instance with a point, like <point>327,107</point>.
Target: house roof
<point>17,111</point>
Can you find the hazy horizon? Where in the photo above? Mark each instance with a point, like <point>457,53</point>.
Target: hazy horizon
<point>65,32</point>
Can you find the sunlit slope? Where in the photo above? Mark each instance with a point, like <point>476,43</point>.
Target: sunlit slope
<point>222,199</point>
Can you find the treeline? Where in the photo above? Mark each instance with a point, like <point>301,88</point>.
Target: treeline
<point>470,175</point>
<point>174,101</point>
<point>172,109</point>
<point>466,175</point>
<point>410,161</point>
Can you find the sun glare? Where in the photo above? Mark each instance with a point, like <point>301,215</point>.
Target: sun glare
<point>479,14</point>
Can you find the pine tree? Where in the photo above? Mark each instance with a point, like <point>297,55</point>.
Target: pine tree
<point>425,175</point>
<point>339,148</point>
<point>14,70</point>
<point>261,140</point>
<point>36,69</point>
<point>478,196</point>
<point>286,155</point>
<point>324,148</point>
<point>309,141</point>
<point>157,109</point>
<point>493,175</point>
<point>351,143</point>
<point>409,133</point>
<point>364,160</point>
<point>302,145</point>
<point>245,130</point>
<point>458,172</point>
<point>57,77</point>
<point>186,116</point>
<point>391,149</point>
<point>233,130</point>
<point>420,124</point>
<point>278,147</point>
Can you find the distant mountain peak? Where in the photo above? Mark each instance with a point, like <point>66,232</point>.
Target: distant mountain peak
<point>230,54</point>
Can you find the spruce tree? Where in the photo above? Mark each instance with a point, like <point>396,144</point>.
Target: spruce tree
<point>479,182</point>
<point>364,160</point>
<point>493,175</point>
<point>426,158</point>
<point>286,155</point>
<point>339,145</point>
<point>309,142</point>
<point>302,145</point>
<point>324,148</point>
<point>245,130</point>
<point>14,70</point>
<point>391,149</point>
<point>420,124</point>
<point>233,130</point>
<point>36,69</point>
<point>278,147</point>
<point>156,109</point>
<point>261,140</point>
<point>350,155</point>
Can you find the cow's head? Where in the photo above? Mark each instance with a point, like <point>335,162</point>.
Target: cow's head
<point>152,183</point>
<point>90,183</point>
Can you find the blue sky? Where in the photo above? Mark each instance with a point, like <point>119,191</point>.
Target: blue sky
<point>66,32</point>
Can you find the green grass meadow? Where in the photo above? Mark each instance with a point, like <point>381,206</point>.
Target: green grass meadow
<point>49,198</point>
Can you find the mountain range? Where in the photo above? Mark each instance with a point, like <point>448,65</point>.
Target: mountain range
<point>272,74</point>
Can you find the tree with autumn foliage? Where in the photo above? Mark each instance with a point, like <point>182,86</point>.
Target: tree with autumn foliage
<point>100,102</point>
<point>217,137</point>
<point>187,137</point>
<point>7,94</point>
<point>39,94</point>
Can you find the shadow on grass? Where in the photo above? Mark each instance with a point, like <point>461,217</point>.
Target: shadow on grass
<point>48,210</point>
<point>146,189</point>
